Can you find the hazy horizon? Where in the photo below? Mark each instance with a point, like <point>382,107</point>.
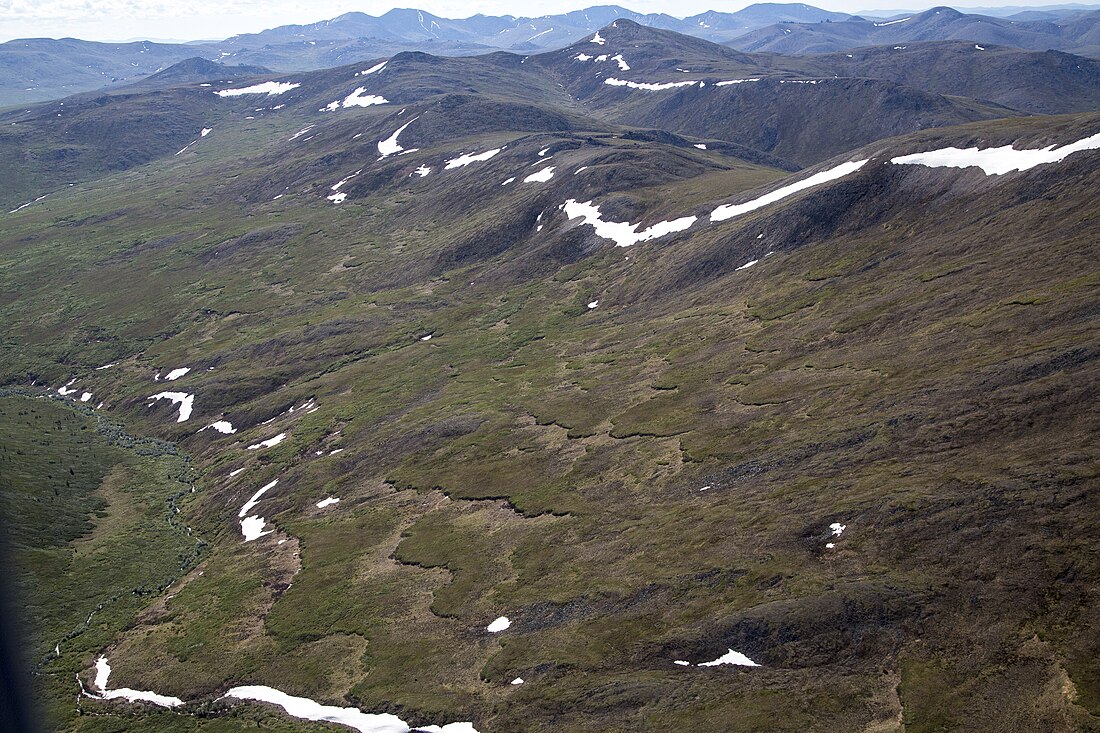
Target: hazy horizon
<point>156,20</point>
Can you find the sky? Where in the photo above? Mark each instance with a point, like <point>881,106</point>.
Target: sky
<point>118,20</point>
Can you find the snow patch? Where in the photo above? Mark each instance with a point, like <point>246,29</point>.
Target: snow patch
<point>730,657</point>
<point>730,82</point>
<point>422,171</point>
<point>498,625</point>
<point>541,176</point>
<point>359,99</point>
<point>301,132</point>
<point>269,88</point>
<point>327,502</point>
<point>647,86</point>
<point>103,674</point>
<point>623,234</point>
<point>464,160</point>
<point>374,69</point>
<point>516,681</point>
<point>222,426</point>
<point>997,161</point>
<point>890,22</point>
<point>748,264</point>
<point>729,211</point>
<point>598,39</point>
<point>176,374</point>
<point>184,400</point>
<point>390,146</point>
<point>86,396</point>
<point>306,709</point>
<point>269,443</point>
<point>253,528</point>
<point>594,304</point>
<point>255,498</point>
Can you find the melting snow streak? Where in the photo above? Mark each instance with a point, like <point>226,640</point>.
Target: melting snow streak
<point>268,87</point>
<point>728,211</point>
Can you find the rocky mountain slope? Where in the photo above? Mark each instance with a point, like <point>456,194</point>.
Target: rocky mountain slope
<point>483,394</point>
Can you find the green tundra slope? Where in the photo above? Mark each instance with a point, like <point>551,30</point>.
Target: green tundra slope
<point>849,434</point>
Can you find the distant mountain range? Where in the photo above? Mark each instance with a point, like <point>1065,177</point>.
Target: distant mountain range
<point>43,69</point>
<point>1078,33</point>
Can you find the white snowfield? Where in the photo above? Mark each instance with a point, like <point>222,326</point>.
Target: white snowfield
<point>467,159</point>
<point>730,82</point>
<point>270,88</point>
<point>222,426</point>
<point>998,161</point>
<point>891,22</point>
<point>647,86</point>
<point>498,625</point>
<point>390,146</point>
<point>184,400</point>
<point>624,234</point>
<point>598,39</point>
<point>103,674</point>
<point>176,374</point>
<point>729,211</point>
<point>328,502</point>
